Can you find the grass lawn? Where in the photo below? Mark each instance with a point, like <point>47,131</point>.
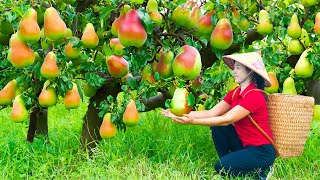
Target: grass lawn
<point>156,149</point>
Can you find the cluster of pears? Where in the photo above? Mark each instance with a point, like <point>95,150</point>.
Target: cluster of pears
<point>299,36</point>
<point>128,28</point>
<point>8,94</point>
<point>189,16</point>
<point>152,9</point>
<point>130,118</point>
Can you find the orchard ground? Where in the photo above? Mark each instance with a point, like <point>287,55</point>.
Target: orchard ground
<point>155,149</point>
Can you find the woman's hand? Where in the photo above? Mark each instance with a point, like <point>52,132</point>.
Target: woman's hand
<point>168,114</point>
<point>185,119</point>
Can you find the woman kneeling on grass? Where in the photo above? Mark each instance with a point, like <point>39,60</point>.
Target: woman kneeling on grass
<point>241,147</point>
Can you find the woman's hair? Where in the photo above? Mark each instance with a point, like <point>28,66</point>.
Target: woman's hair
<point>259,81</point>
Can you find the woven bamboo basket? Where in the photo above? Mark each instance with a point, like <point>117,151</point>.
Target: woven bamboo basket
<point>290,118</point>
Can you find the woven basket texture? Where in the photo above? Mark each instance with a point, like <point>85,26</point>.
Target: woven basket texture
<point>290,118</point>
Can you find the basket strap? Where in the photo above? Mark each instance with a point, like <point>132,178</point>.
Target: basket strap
<point>255,124</point>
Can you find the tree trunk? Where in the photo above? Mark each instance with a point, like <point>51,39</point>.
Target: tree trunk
<point>314,90</point>
<point>38,123</point>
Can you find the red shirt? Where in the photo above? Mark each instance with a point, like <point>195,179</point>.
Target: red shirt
<point>254,102</point>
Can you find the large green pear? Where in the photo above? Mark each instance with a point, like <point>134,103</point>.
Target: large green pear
<point>295,47</point>
<point>264,27</point>
<point>187,64</point>
<point>29,30</point>
<point>8,92</point>
<point>19,112</point>
<point>179,102</point>
<point>222,35</point>
<point>304,68</point>
<point>164,66</point>
<point>294,29</point>
<point>289,86</point>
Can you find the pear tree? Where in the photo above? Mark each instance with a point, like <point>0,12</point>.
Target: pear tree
<point>126,57</point>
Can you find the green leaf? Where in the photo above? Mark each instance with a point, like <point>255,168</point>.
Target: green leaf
<point>106,12</point>
<point>148,24</point>
<point>167,103</point>
<point>157,76</point>
<point>132,82</point>
<point>79,89</point>
<point>190,99</point>
<point>110,99</point>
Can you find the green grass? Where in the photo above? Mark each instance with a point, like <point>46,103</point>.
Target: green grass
<point>156,149</point>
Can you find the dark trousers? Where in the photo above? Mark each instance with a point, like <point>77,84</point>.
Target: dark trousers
<point>236,160</point>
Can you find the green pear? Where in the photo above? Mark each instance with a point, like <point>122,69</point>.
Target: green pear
<point>19,112</point>
<point>294,29</point>
<point>89,90</point>
<point>152,5</point>
<point>289,86</point>
<point>295,47</point>
<point>8,93</point>
<point>304,38</point>
<point>317,24</point>
<point>179,102</point>
<point>304,68</point>
<point>309,3</point>
<point>264,27</point>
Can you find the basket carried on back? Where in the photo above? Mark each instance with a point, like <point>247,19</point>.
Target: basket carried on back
<point>290,117</point>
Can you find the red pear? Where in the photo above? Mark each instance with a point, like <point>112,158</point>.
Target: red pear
<point>317,24</point>
<point>8,92</point>
<point>222,35</point>
<point>117,22</point>
<point>274,83</point>
<point>204,24</point>
<point>117,66</point>
<point>131,31</point>
<point>131,115</point>
<point>116,46</point>
<point>72,52</point>
<point>193,18</point>
<point>187,64</point>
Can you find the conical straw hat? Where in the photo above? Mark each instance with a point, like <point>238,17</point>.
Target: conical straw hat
<point>251,60</point>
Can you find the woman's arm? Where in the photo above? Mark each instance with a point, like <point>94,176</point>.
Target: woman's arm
<point>235,114</point>
<point>219,109</point>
